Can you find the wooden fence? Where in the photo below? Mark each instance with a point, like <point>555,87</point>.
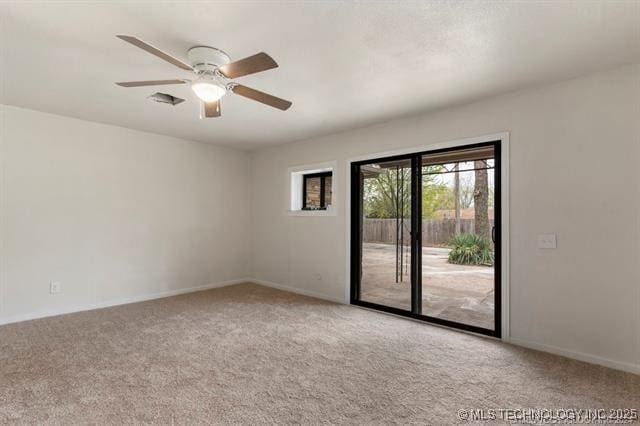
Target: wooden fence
<point>435,232</point>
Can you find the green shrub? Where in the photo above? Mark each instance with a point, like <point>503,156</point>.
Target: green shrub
<point>470,249</point>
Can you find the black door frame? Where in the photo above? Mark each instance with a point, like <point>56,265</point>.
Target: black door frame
<point>416,239</point>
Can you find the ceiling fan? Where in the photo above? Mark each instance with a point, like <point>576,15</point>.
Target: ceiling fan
<point>213,71</point>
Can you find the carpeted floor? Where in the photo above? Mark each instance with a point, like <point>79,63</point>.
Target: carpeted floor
<point>254,355</point>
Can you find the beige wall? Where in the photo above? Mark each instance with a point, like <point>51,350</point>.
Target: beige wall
<point>575,153</point>
<point>113,214</point>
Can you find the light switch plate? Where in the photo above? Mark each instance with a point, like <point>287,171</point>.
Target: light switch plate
<point>547,241</point>
<point>55,287</point>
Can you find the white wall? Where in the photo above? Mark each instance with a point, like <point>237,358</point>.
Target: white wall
<point>118,215</point>
<point>575,154</point>
<point>113,214</point>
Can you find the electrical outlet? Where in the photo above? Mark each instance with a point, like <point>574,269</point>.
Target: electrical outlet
<point>55,287</point>
<point>547,241</point>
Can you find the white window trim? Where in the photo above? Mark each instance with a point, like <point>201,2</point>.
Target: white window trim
<point>294,199</point>
<point>504,183</point>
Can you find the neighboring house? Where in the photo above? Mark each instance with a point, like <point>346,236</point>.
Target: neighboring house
<point>468,213</point>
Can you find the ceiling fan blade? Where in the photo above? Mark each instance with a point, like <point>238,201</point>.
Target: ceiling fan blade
<point>155,51</point>
<point>148,83</point>
<point>262,97</point>
<point>212,109</point>
<point>251,65</point>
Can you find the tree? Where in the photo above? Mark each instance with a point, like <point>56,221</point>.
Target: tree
<point>456,194</point>
<point>436,193</point>
<point>436,196</point>
<point>466,189</point>
<point>481,199</point>
<point>389,193</point>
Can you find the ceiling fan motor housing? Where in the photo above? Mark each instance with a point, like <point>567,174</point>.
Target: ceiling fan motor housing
<point>205,58</point>
<point>213,71</point>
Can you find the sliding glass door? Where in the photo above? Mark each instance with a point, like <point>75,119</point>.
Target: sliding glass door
<point>426,236</point>
<point>386,233</point>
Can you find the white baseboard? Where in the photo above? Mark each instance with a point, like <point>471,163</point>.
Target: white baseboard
<point>124,301</point>
<point>309,293</point>
<point>591,359</point>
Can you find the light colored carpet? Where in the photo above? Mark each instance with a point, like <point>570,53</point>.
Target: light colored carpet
<point>254,355</point>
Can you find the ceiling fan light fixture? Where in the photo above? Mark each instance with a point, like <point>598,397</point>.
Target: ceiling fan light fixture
<point>208,89</point>
<point>213,72</point>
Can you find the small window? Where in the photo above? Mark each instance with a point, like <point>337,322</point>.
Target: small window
<point>316,191</point>
<point>312,191</point>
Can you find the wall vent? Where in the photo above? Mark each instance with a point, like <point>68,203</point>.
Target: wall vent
<point>165,98</point>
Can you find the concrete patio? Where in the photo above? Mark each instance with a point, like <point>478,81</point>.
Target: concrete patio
<point>458,293</point>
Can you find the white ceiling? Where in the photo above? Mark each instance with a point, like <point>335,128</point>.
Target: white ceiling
<point>343,65</point>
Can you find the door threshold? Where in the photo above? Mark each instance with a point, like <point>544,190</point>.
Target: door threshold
<point>422,319</point>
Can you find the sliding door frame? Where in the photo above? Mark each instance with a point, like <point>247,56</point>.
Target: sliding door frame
<point>356,223</point>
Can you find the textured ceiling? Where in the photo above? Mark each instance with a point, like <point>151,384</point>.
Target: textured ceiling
<point>343,65</point>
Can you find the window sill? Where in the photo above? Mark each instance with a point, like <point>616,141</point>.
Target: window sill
<point>328,212</point>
